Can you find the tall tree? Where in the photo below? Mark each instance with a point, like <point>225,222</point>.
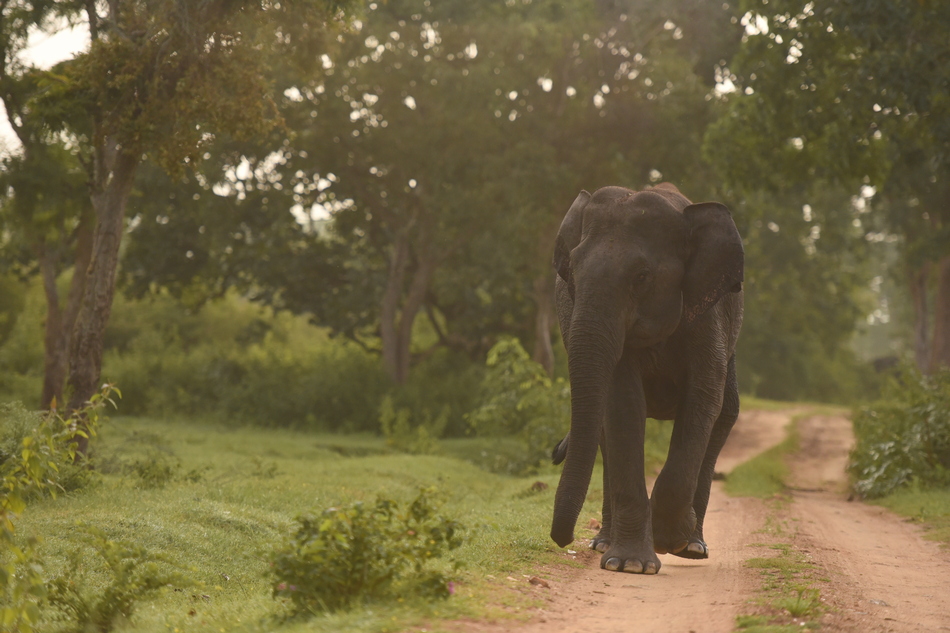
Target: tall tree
<point>44,212</point>
<point>159,80</point>
<point>854,92</point>
<point>445,142</point>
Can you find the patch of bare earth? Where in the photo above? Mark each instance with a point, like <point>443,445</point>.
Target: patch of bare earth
<point>877,573</point>
<point>883,576</point>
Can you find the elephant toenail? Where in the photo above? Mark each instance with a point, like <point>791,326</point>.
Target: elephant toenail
<point>633,567</point>
<point>612,564</point>
<point>601,547</point>
<point>698,548</point>
<point>650,568</point>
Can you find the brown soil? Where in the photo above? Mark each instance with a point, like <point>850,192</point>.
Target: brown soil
<point>876,572</point>
<point>883,575</point>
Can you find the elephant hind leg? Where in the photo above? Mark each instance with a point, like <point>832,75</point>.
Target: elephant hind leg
<point>697,548</point>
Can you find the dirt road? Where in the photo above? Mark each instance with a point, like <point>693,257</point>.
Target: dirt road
<point>877,573</point>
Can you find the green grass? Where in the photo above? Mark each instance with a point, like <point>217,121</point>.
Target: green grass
<point>764,475</point>
<point>788,590</point>
<point>931,508</point>
<point>234,494</point>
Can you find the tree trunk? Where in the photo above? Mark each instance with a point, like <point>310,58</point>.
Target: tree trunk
<point>389,309</point>
<point>60,322</point>
<point>54,350</point>
<point>544,316</point>
<point>940,349</point>
<point>410,309</point>
<point>397,315</point>
<point>918,293</point>
<point>113,183</point>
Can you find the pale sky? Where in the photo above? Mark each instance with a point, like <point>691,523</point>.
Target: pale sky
<point>44,51</point>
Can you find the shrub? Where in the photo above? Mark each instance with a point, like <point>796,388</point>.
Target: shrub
<point>521,401</point>
<point>37,452</point>
<point>904,437</point>
<point>155,470</point>
<point>238,361</point>
<point>446,383</point>
<point>364,552</point>
<point>397,427</point>
<point>132,573</point>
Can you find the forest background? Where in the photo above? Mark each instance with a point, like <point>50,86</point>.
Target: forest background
<point>345,256</point>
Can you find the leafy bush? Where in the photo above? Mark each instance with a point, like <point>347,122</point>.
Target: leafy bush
<point>37,452</point>
<point>446,384</point>
<point>521,401</point>
<point>154,470</point>
<point>362,552</point>
<point>238,361</point>
<point>905,436</point>
<point>21,348</point>
<point>421,439</point>
<point>132,574</point>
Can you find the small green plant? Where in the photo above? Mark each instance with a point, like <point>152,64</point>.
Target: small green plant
<point>396,426</point>
<point>155,470</point>
<point>904,438</point>
<point>365,552</point>
<point>262,469</point>
<point>132,574</point>
<point>37,453</point>
<point>520,400</point>
<point>806,603</point>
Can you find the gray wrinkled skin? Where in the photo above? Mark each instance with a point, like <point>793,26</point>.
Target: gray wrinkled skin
<point>649,302</point>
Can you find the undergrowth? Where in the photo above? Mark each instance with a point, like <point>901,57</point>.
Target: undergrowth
<point>904,438</point>
<point>364,552</point>
<point>38,457</point>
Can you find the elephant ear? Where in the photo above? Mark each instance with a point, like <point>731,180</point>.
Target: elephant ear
<point>569,235</point>
<point>717,259</point>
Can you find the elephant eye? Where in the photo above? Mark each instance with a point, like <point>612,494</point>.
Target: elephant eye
<point>642,276</point>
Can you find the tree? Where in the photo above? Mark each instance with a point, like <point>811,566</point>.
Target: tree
<point>45,216</point>
<point>446,156</point>
<point>159,80</point>
<point>854,93</point>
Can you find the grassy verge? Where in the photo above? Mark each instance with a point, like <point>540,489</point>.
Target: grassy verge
<point>930,508</point>
<point>216,501</point>
<point>789,599</point>
<point>764,475</point>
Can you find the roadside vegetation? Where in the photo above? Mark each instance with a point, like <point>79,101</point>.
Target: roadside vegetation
<point>210,508</point>
<point>902,456</point>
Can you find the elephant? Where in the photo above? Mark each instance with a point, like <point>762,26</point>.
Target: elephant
<point>649,302</point>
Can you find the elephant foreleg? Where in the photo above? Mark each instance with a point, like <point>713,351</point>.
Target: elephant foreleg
<point>674,515</point>
<point>631,535</point>
<point>697,547</point>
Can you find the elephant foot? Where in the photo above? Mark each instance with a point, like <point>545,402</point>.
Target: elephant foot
<point>696,550</point>
<point>675,536</point>
<point>630,561</point>
<point>600,543</point>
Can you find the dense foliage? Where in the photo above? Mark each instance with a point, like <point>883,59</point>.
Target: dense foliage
<point>521,402</point>
<point>852,96</point>
<point>904,438</point>
<point>364,552</point>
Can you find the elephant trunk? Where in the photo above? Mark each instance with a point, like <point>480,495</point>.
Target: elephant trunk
<point>594,351</point>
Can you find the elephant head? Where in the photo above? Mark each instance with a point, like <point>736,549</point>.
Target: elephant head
<point>637,266</point>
